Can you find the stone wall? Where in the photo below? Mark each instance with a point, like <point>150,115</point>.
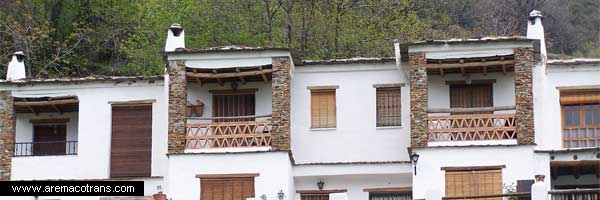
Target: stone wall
<point>7,134</point>
<point>418,99</point>
<point>280,139</point>
<point>524,95</point>
<point>177,106</point>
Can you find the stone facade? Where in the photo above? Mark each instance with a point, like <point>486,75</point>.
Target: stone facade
<point>280,139</point>
<point>177,106</point>
<point>524,95</point>
<point>7,134</point>
<point>418,99</point>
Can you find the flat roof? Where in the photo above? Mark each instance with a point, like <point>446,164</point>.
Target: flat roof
<point>230,48</point>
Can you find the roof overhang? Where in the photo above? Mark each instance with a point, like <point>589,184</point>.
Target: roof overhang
<point>58,104</point>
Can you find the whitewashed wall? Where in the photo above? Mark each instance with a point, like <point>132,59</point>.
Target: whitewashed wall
<point>355,184</point>
<point>93,130</point>
<point>503,90</point>
<point>521,164</point>
<point>550,130</point>
<point>263,96</point>
<point>275,171</point>
<point>356,137</point>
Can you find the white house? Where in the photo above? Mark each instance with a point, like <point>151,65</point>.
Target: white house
<point>449,119</point>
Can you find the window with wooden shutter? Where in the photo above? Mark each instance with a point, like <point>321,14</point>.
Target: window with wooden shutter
<point>581,117</point>
<point>388,106</point>
<point>323,108</point>
<point>473,182</point>
<point>49,139</point>
<point>131,141</point>
<point>471,96</point>
<point>234,104</point>
<point>227,188</point>
<point>318,194</point>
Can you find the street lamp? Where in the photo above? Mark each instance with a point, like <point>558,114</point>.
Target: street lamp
<point>280,195</point>
<point>320,184</point>
<point>414,157</point>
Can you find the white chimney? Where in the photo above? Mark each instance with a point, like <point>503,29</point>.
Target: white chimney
<point>535,30</point>
<point>175,38</point>
<point>16,67</point>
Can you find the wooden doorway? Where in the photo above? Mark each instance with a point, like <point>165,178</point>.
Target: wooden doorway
<point>131,141</point>
<point>228,103</point>
<point>471,96</point>
<point>49,139</point>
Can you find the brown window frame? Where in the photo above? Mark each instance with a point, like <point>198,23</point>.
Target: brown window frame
<point>384,96</point>
<point>331,91</point>
<point>589,140</point>
<point>142,150</point>
<point>207,181</point>
<point>473,182</point>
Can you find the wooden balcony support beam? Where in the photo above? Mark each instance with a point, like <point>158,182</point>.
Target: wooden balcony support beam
<point>463,64</point>
<point>228,74</point>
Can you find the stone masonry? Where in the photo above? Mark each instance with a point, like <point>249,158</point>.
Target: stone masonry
<point>177,106</point>
<point>418,99</point>
<point>524,95</point>
<point>280,138</point>
<point>7,134</point>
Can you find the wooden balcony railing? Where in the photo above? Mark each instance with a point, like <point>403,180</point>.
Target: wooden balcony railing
<point>517,195</point>
<point>576,194</point>
<point>206,135</point>
<point>472,127</point>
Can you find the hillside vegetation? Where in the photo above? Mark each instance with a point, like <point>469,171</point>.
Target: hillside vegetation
<point>125,37</point>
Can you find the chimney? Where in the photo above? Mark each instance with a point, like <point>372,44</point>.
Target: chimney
<point>16,67</point>
<point>175,38</point>
<point>535,30</point>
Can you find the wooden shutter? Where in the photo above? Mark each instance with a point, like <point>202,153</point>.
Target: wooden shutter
<point>232,104</point>
<point>471,96</point>
<point>579,97</point>
<point>49,139</point>
<point>227,189</point>
<point>388,106</point>
<point>473,182</point>
<point>131,141</point>
<point>314,196</point>
<point>323,108</point>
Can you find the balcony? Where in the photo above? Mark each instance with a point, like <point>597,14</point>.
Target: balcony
<point>55,148</point>
<point>472,127</point>
<point>224,133</point>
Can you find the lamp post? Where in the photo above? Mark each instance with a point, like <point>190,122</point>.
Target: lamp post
<point>414,157</point>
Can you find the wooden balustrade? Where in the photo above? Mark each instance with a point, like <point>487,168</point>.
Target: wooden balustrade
<point>473,127</point>
<point>576,194</point>
<point>228,134</point>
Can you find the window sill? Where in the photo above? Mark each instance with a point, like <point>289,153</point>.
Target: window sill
<point>322,129</point>
<point>387,127</point>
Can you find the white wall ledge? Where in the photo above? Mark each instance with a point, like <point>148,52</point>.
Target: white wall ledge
<point>473,143</point>
<point>229,150</point>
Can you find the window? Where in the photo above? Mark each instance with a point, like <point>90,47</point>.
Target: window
<point>234,104</point>
<point>314,196</point>
<point>323,108</point>
<point>318,194</point>
<point>473,182</point>
<point>471,96</point>
<point>131,140</point>
<point>227,188</point>
<point>388,106</point>
<point>49,139</point>
<point>390,196</point>
<point>581,125</point>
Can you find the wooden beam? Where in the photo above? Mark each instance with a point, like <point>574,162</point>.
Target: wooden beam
<point>468,110</point>
<point>31,108</point>
<point>389,85</point>
<point>45,103</point>
<point>226,176</point>
<point>473,82</point>
<point>462,71</point>
<point>214,72</point>
<point>241,77</point>
<point>56,107</point>
<point>470,168</point>
<point>323,87</point>
<point>49,121</point>
<point>469,64</point>
<point>391,189</point>
<point>264,77</point>
<point>321,191</point>
<point>442,72</point>
<point>228,74</point>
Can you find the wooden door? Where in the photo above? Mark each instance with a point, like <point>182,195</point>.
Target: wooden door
<point>233,105</point>
<point>227,189</point>
<point>49,139</point>
<point>131,141</point>
<point>471,96</point>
